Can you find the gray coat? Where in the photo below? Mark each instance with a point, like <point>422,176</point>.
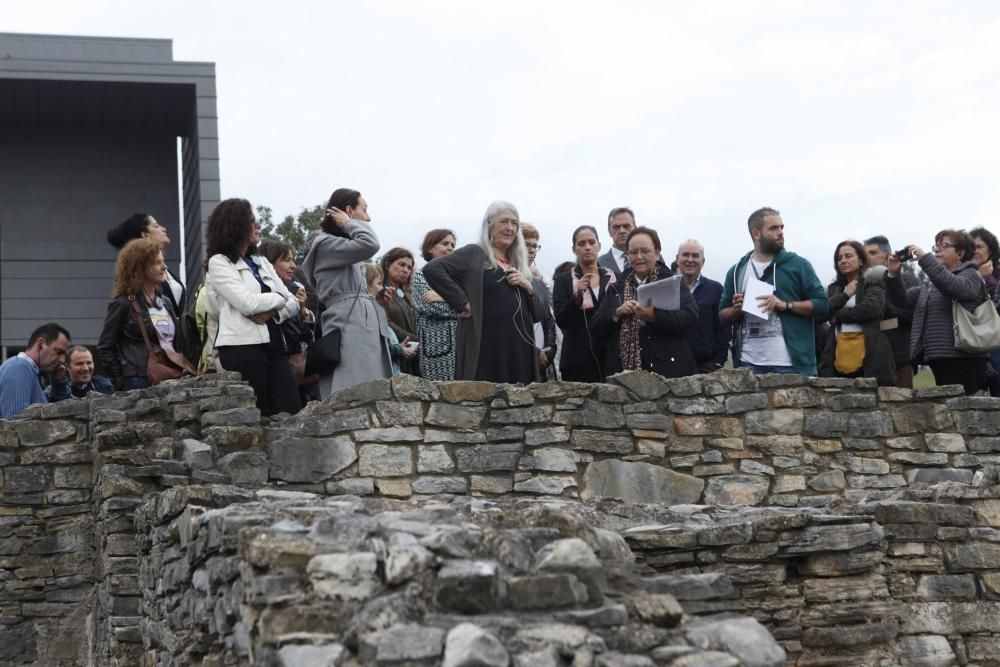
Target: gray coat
<point>933,334</point>
<point>458,278</point>
<point>333,268</point>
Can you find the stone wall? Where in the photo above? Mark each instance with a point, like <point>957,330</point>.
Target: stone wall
<point>286,578</point>
<point>72,475</point>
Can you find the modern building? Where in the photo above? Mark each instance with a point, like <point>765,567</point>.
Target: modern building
<point>93,129</point>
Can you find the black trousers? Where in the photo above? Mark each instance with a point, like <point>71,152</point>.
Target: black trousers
<point>268,372</point>
<point>970,372</point>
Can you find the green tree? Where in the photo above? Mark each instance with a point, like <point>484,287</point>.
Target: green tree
<point>292,229</point>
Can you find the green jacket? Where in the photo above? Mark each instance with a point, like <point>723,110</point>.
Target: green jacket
<point>794,279</point>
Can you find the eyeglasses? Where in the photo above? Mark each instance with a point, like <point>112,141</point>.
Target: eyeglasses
<point>938,247</point>
<point>533,246</point>
<point>645,252</point>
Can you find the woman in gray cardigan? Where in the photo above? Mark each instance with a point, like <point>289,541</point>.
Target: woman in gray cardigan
<point>952,276</point>
<point>334,268</point>
<point>490,285</point>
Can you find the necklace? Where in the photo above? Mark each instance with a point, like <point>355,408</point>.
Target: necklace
<point>503,261</point>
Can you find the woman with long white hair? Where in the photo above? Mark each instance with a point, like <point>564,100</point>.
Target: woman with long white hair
<point>489,283</point>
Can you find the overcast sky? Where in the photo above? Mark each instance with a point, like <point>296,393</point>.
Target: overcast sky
<point>852,118</point>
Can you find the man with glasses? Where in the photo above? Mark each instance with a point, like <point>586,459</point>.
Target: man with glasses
<point>621,222</point>
<point>777,333</point>
<point>545,330</point>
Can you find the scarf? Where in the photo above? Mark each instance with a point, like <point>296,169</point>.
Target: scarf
<point>588,300</point>
<point>628,335</point>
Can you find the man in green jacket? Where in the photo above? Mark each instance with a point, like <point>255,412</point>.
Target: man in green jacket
<point>777,335</point>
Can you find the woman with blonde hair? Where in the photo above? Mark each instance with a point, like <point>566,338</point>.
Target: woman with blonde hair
<point>139,274</point>
<point>489,284</point>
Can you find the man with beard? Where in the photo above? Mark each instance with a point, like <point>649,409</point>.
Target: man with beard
<point>82,379</point>
<point>777,334</point>
<point>709,341</point>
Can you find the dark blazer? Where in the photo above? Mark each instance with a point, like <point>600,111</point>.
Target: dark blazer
<point>869,304</point>
<point>543,303</point>
<point>583,357</point>
<point>709,340</point>
<point>662,342</point>
<point>168,294</point>
<point>121,349</point>
<point>607,260</point>
<point>458,278</point>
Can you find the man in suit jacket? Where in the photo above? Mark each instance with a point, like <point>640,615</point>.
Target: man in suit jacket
<point>709,340</point>
<point>621,221</point>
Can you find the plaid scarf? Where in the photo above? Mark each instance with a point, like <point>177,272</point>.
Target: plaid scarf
<point>628,336</point>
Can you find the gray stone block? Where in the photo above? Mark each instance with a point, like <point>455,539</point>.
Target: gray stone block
<point>640,483</point>
<point>488,457</point>
<point>731,490</point>
<point>384,461</point>
<point>469,587</point>
<point>309,459</point>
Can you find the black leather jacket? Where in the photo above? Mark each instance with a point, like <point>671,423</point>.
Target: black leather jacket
<point>121,349</point>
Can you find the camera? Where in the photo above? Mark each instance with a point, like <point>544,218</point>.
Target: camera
<point>904,255</point>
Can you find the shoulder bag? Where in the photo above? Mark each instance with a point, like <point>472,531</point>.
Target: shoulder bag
<point>978,331</point>
<point>161,364</point>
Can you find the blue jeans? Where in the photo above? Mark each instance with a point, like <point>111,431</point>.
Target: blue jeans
<point>135,383</point>
<point>778,370</point>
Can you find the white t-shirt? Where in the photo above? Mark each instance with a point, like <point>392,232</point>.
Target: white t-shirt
<point>851,327</point>
<point>763,342</point>
<point>164,325</point>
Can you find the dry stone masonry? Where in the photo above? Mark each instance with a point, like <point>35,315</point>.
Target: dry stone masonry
<point>174,526</point>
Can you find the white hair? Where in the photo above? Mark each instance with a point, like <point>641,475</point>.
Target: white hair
<point>517,253</point>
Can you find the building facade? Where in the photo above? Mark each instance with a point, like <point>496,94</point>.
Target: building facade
<point>93,129</point>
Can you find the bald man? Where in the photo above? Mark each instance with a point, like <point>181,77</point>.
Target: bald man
<point>709,341</point>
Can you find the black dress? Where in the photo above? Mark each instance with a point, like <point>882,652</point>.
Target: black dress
<point>507,351</point>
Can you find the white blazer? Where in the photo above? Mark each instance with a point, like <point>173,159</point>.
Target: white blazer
<point>234,294</point>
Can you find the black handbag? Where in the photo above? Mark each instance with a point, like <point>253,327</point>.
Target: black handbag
<point>323,354</point>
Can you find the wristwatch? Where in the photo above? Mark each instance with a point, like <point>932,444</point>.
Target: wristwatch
<point>789,306</point>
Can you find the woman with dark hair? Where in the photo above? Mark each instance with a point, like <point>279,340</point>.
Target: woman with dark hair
<point>437,322</point>
<point>489,284</point>
<point>121,350</point>
<point>250,302</point>
<point>987,256</point>
<point>644,337</point>
<point>397,272</point>
<point>298,329</point>
<point>145,226</point>
<point>576,297</point>
<point>952,276</point>
<point>855,345</point>
<point>334,267</point>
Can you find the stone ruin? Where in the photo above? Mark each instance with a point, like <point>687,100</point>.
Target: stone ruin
<point>705,521</point>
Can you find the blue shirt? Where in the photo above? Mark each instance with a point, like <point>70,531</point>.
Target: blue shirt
<point>20,385</point>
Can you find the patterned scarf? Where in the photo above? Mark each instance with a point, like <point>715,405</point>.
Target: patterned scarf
<point>588,300</point>
<point>628,335</point>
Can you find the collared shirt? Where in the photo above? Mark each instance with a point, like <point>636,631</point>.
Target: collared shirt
<point>620,258</point>
<point>37,369</point>
<point>695,285</point>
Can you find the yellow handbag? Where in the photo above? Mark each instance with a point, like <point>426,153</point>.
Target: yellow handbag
<point>850,354</point>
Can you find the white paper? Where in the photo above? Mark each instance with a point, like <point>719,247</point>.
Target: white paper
<point>756,288</point>
<point>666,293</point>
